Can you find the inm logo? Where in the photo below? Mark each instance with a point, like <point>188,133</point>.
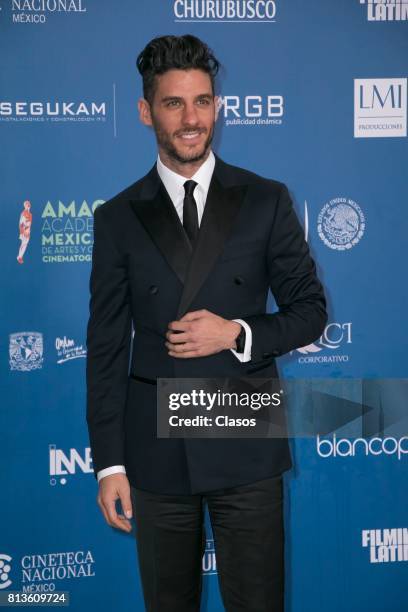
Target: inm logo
<point>62,464</point>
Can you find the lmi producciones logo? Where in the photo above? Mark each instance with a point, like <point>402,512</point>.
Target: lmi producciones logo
<point>380,108</point>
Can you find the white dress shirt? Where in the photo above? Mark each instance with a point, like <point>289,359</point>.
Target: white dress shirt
<point>174,184</point>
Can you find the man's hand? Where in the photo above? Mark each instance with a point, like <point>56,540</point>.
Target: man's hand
<point>111,488</point>
<point>201,333</point>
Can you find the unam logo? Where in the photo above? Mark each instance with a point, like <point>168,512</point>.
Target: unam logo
<point>26,351</point>
<point>341,224</point>
<point>5,569</point>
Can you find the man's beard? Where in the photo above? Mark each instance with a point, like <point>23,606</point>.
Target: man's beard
<point>170,149</point>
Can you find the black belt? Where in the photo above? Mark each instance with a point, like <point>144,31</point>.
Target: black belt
<point>150,381</point>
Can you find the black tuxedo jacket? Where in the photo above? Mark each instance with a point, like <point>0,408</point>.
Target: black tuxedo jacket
<point>145,274</point>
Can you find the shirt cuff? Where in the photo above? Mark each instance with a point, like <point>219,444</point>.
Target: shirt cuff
<point>246,355</point>
<point>114,469</point>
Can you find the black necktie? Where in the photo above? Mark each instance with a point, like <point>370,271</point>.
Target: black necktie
<point>190,215</point>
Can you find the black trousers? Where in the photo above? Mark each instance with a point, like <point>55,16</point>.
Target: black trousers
<point>247,524</point>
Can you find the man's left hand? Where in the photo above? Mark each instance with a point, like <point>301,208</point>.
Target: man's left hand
<point>201,333</point>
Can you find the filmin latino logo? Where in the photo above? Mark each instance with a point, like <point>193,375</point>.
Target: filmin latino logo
<point>386,10</point>
<point>386,545</point>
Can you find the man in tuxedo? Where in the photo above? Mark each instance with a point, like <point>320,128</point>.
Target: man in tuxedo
<point>185,258</point>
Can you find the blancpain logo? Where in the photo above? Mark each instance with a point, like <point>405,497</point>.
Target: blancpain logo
<point>386,10</point>
<point>386,545</point>
<point>351,447</point>
<point>52,111</point>
<point>36,11</point>
<point>225,10</point>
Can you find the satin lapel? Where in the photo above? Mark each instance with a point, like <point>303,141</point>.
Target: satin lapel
<point>221,209</point>
<point>159,218</point>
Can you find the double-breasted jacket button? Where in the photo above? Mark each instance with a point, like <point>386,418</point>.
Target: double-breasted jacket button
<point>274,353</point>
<point>153,289</point>
<point>238,280</point>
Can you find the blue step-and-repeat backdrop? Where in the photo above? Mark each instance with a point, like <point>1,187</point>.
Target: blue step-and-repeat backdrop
<point>315,95</point>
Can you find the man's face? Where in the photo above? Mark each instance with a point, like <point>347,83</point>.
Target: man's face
<point>182,114</point>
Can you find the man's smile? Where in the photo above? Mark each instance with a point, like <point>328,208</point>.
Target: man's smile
<point>191,137</point>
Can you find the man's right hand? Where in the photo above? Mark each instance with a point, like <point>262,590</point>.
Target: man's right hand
<point>111,488</point>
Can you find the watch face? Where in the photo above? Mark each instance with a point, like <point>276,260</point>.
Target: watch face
<point>241,341</point>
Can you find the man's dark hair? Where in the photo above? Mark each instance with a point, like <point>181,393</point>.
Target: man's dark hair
<point>169,52</point>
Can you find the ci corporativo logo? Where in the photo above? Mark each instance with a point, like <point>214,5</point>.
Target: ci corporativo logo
<point>331,347</point>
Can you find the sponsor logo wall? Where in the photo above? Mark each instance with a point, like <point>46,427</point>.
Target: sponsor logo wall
<point>311,94</point>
